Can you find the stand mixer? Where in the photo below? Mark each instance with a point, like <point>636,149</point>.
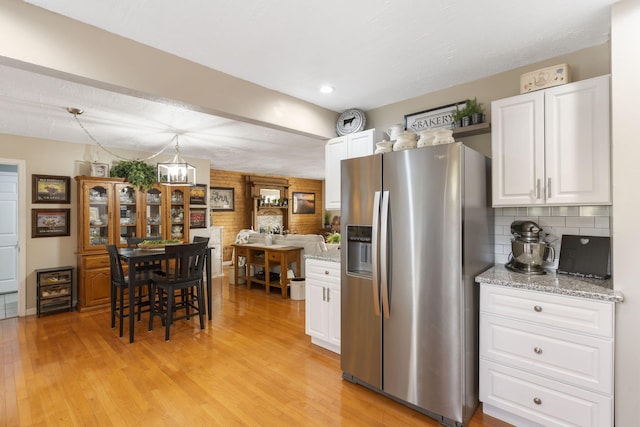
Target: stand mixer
<point>528,253</point>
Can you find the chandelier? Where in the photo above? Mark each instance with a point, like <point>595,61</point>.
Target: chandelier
<point>177,171</point>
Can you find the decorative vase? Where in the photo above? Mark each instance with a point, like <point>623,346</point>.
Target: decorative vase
<point>477,118</point>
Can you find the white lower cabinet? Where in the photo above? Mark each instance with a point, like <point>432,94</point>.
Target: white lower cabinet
<point>322,303</point>
<point>545,359</point>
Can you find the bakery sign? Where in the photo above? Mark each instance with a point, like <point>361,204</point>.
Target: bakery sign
<point>435,118</point>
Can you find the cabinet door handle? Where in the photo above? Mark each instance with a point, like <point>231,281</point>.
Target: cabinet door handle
<point>537,350</point>
<point>537,401</point>
<point>328,294</point>
<point>537,308</point>
<point>538,188</point>
<point>324,293</point>
<point>549,188</point>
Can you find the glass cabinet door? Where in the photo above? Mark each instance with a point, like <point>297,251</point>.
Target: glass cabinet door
<point>126,213</point>
<point>154,213</point>
<point>178,214</point>
<point>99,226</point>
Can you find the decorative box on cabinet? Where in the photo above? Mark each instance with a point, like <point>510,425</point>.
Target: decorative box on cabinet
<point>357,144</point>
<point>552,147</point>
<point>322,303</point>
<point>546,359</point>
<point>55,290</point>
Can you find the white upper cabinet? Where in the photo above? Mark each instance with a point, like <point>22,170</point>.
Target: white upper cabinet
<point>335,151</point>
<point>357,144</point>
<point>553,147</point>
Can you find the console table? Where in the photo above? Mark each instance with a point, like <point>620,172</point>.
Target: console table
<point>264,257</point>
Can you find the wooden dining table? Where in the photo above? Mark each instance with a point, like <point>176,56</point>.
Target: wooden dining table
<point>139,256</point>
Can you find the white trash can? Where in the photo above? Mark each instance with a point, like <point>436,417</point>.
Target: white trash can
<point>297,288</point>
<point>232,275</point>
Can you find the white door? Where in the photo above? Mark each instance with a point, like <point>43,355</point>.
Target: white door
<point>360,144</point>
<point>8,232</point>
<point>315,309</point>
<point>578,143</point>
<point>517,146</point>
<point>333,296</point>
<point>335,151</point>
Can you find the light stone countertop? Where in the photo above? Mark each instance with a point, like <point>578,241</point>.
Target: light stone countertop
<point>332,255</point>
<point>552,283</point>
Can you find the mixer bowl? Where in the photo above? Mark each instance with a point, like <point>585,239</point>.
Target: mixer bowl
<point>531,255</point>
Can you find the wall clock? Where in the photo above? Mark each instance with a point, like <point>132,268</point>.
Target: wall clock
<point>350,121</point>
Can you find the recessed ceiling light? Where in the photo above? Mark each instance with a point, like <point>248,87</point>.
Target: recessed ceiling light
<point>326,89</point>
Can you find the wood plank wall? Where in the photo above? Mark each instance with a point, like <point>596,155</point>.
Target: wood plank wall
<point>240,218</point>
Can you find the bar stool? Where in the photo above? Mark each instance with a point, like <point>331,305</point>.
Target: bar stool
<point>120,284</point>
<point>184,273</point>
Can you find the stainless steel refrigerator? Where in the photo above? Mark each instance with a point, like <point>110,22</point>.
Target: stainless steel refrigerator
<point>416,227</point>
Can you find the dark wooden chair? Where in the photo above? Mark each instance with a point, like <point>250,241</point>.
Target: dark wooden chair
<point>197,239</point>
<point>120,286</point>
<point>185,268</point>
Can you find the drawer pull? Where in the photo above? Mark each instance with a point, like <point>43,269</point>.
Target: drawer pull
<point>537,308</point>
<point>326,272</point>
<point>537,401</point>
<point>537,350</point>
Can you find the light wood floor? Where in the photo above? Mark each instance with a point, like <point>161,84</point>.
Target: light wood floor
<point>252,366</point>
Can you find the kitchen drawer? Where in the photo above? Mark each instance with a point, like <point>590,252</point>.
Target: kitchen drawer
<point>54,304</point>
<point>95,261</point>
<point>325,271</point>
<point>275,256</point>
<point>578,359</point>
<point>541,400</point>
<point>55,277</point>
<point>574,314</point>
<point>51,291</point>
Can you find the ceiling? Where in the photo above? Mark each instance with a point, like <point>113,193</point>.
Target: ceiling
<point>373,52</point>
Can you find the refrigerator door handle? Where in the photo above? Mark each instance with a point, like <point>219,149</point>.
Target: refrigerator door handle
<point>375,281</point>
<point>384,245</point>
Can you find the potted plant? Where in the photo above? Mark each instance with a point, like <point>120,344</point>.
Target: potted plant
<point>475,110</point>
<point>457,116</point>
<point>136,172</point>
<point>333,241</point>
<point>327,219</point>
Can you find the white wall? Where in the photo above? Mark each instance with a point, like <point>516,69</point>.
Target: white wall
<point>625,68</point>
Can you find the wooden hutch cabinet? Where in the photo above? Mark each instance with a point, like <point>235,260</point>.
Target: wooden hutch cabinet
<point>110,211</point>
<point>271,204</point>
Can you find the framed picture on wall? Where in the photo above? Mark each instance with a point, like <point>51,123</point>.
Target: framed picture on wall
<point>198,218</point>
<point>304,203</point>
<point>50,189</point>
<point>221,199</point>
<point>198,194</point>
<point>50,222</point>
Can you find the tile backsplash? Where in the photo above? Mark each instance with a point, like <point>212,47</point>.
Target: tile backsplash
<point>555,221</point>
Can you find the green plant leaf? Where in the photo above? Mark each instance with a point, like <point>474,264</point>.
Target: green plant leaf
<point>136,172</point>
